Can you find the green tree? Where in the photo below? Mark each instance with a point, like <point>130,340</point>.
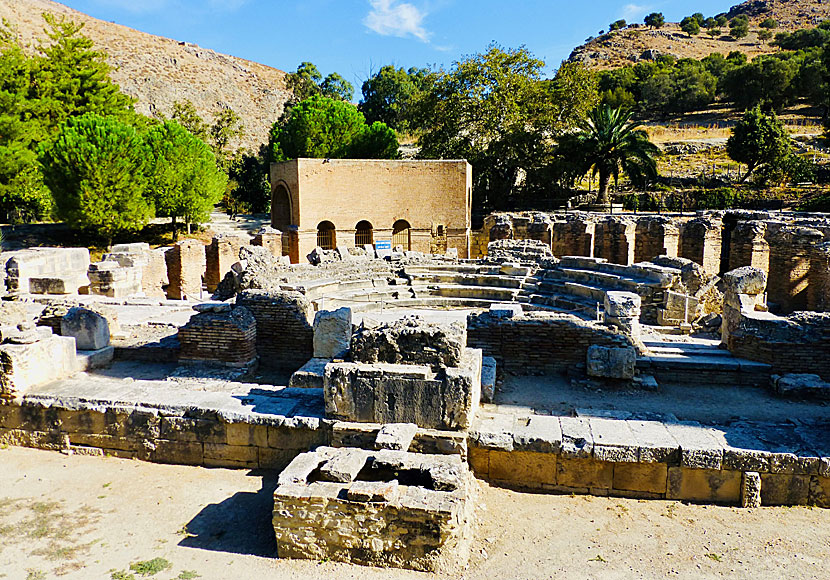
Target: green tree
<point>765,81</point>
<point>95,169</point>
<point>323,127</point>
<point>186,115</point>
<point>336,87</point>
<point>610,143</point>
<point>655,20</point>
<point>497,111</point>
<point>758,141</point>
<point>698,16</point>
<point>391,96</point>
<point>617,25</point>
<point>690,26</point>
<point>248,183</point>
<point>226,126</point>
<point>304,82</point>
<point>769,24</point>
<point>721,20</point>
<point>739,27</point>
<point>764,35</point>
<point>375,141</point>
<point>713,32</point>
<point>183,179</point>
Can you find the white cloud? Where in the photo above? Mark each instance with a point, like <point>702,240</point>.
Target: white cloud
<point>395,18</point>
<point>635,12</point>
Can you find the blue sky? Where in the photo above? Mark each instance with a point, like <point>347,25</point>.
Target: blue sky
<point>357,37</point>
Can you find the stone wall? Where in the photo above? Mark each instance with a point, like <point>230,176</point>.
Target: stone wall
<point>220,255</point>
<point>614,240</point>
<point>46,270</point>
<point>226,337</point>
<point>24,365</point>
<point>270,239</point>
<point>284,332</point>
<point>797,343</point>
<point>818,293</point>
<point>748,246</point>
<point>537,342</point>
<point>701,241</point>
<point>656,236</point>
<point>789,267</point>
<point>574,236</point>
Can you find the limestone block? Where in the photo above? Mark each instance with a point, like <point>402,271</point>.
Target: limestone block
<point>514,269</point>
<point>344,465</point>
<point>751,489</point>
<point>641,477</point>
<point>410,340</point>
<point>611,362</point>
<point>584,473</point>
<point>746,280</point>
<point>396,436</point>
<point>90,330</point>
<point>523,468</point>
<point>704,485</point>
<point>801,385</point>
<point>27,365</point>
<point>622,304</point>
<point>784,489</point>
<point>373,491</point>
<point>501,311</point>
<point>332,333</point>
<point>488,379</point>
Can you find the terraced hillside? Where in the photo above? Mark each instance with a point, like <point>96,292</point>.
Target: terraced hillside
<point>159,71</point>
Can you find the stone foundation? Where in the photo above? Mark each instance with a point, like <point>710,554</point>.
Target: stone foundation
<point>284,332</point>
<point>219,335</point>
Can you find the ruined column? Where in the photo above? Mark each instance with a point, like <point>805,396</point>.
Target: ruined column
<point>743,292</point>
<point>700,241</point>
<point>748,245</point>
<point>185,268</point>
<point>574,236</point>
<point>270,239</point>
<point>499,227</point>
<point>540,228</point>
<point>614,240</point>
<point>622,309</point>
<point>220,255</point>
<point>656,236</point>
<point>790,249</point>
<point>818,290</point>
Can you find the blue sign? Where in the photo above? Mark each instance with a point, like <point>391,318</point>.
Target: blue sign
<point>383,244</point>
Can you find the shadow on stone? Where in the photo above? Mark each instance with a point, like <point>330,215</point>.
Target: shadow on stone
<point>240,524</point>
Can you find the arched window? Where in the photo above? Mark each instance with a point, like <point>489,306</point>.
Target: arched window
<point>281,208</point>
<point>363,234</point>
<point>401,235</point>
<point>326,235</point>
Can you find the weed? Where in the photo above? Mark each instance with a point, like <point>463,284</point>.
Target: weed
<point>187,575</point>
<point>597,558</point>
<point>35,575</point>
<point>150,567</point>
<point>185,532</point>
<point>121,575</point>
<point>715,557</point>
<point>106,485</point>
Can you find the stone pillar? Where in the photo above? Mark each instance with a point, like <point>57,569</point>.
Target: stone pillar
<point>790,249</point>
<point>270,239</point>
<point>751,489</point>
<point>748,246</point>
<point>151,262</point>
<point>622,309</point>
<point>573,237</point>
<point>614,240</point>
<point>499,227</point>
<point>185,268</point>
<point>656,236</point>
<point>818,291</point>
<point>701,241</point>
<point>540,229</point>
<point>743,292</point>
<point>220,255</point>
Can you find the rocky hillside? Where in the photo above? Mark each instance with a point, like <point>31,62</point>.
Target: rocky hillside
<point>159,71</point>
<point>637,42</point>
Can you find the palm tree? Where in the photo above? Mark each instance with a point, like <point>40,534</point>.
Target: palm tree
<point>609,143</point>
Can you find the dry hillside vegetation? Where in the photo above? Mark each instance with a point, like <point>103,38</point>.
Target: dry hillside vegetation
<point>623,47</point>
<point>159,71</point>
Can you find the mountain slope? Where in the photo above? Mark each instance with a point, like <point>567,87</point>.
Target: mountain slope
<point>159,71</point>
<point>626,46</point>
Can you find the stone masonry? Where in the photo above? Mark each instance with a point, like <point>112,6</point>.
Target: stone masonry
<point>185,268</point>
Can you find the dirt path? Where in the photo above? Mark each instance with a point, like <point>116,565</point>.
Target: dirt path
<point>92,518</point>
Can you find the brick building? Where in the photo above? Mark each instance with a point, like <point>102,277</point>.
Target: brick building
<point>420,205</point>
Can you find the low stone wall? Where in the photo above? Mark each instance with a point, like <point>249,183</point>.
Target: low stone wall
<point>47,358</point>
<point>185,436</point>
<point>538,342</point>
<point>46,270</point>
<point>284,332</point>
<point>641,459</point>
<point>795,344</point>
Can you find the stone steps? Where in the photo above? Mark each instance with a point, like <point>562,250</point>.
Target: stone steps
<point>495,280</point>
<point>695,365</point>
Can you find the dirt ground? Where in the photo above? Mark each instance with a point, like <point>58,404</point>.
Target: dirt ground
<point>93,518</point>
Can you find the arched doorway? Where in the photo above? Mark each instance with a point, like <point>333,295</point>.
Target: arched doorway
<point>401,235</point>
<point>364,234</point>
<point>281,208</point>
<point>326,235</point>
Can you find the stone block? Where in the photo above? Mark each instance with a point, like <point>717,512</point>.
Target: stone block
<point>480,462</point>
<point>538,433</point>
<point>521,468</point>
<point>488,379</point>
<point>90,329</point>
<point>820,491</point>
<point>751,489</point>
<point>27,365</point>
<point>311,375</point>
<point>613,441</point>
<point>805,385</point>
<point>396,436</point>
<point>784,489</point>
<point>746,280</point>
<point>344,465</point>
<point>514,269</point>
<point>704,485</point>
<point>611,362</point>
<point>577,441</point>
<point>218,455</point>
<point>373,491</point>
<point>584,473</point>
<point>332,333</point>
<point>641,477</point>
<point>410,340</point>
<point>178,452</point>
<point>622,304</point>
<point>504,311</point>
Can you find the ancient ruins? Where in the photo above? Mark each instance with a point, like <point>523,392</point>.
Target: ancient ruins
<point>382,382</point>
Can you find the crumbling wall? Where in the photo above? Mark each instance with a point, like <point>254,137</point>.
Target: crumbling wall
<point>219,335</point>
<point>220,255</point>
<point>47,270</point>
<point>410,341</point>
<point>538,342</point>
<point>270,239</point>
<point>748,245</point>
<point>185,268</point>
<point>701,241</point>
<point>789,266</point>
<point>655,236</point>
<point>818,297</point>
<point>574,236</point>
<point>614,240</point>
<point>284,332</point>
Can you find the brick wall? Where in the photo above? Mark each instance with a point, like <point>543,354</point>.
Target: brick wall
<point>657,236</point>
<point>614,240</point>
<point>796,344</point>
<point>538,342</point>
<point>700,240</point>
<point>748,246</point>
<point>284,334</point>
<point>220,255</point>
<point>819,289</point>
<point>227,338</point>
<point>574,237</point>
<point>185,268</point>
<point>789,266</point>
